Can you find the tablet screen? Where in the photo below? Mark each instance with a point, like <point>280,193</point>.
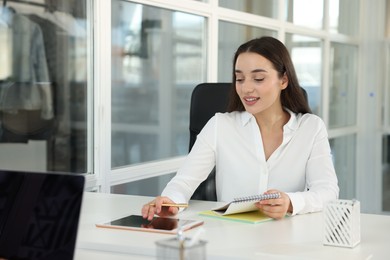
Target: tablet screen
<point>158,224</point>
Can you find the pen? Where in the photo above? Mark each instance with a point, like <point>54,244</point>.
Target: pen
<point>179,205</point>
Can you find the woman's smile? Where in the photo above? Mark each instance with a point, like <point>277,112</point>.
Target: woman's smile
<point>250,101</point>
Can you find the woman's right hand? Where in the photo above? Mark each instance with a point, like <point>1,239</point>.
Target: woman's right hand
<point>148,210</point>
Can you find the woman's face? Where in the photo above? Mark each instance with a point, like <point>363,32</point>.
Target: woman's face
<point>257,83</point>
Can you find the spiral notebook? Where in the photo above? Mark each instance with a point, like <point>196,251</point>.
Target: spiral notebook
<point>252,217</point>
<point>244,204</point>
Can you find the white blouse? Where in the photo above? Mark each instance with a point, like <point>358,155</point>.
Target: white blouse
<point>301,166</point>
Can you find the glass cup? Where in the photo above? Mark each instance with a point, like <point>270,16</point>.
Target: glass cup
<point>180,249</point>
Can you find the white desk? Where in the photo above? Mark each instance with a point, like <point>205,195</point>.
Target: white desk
<point>298,237</point>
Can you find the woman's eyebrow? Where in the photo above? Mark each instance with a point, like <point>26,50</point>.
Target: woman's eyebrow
<point>253,71</point>
<point>258,70</point>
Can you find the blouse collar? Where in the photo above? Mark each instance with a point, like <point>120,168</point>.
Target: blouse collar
<point>291,125</point>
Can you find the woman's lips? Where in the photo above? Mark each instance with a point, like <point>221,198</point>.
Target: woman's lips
<point>250,100</point>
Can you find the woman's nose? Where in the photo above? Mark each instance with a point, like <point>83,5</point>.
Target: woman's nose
<point>247,87</point>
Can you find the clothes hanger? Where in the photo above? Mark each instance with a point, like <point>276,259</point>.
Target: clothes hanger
<point>6,8</point>
<point>3,9</point>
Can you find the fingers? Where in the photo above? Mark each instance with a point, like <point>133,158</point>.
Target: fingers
<point>148,211</point>
<point>273,211</point>
<point>275,208</point>
<point>155,208</point>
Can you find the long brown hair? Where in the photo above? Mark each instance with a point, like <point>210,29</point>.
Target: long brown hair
<point>292,97</point>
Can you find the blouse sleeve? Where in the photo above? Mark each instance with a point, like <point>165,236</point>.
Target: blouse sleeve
<point>321,179</point>
<point>196,167</point>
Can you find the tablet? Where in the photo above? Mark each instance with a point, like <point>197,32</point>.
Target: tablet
<point>158,224</point>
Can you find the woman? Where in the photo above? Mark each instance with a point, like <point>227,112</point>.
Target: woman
<point>268,141</point>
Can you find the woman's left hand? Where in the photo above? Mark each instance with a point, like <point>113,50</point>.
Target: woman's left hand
<point>275,208</point>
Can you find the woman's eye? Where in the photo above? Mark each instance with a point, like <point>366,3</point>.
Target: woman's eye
<point>239,80</point>
<point>259,80</point>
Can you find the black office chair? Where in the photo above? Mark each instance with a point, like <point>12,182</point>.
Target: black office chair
<point>206,100</point>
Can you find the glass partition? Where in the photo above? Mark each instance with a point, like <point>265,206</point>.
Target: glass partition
<point>343,85</point>
<point>231,36</point>
<point>306,13</point>
<point>306,53</point>
<point>344,159</point>
<point>146,187</point>
<point>44,85</point>
<point>344,16</point>
<point>268,8</point>
<point>158,57</point>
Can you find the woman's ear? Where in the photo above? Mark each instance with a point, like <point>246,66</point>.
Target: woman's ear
<point>284,81</point>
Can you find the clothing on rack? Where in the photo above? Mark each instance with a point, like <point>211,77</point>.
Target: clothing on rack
<point>26,90</point>
<point>58,45</point>
<point>76,30</point>
<point>30,88</point>
<point>5,44</point>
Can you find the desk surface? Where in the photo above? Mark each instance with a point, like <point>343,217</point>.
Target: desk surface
<point>298,237</point>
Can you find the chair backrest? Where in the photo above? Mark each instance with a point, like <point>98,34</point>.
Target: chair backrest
<point>206,100</point>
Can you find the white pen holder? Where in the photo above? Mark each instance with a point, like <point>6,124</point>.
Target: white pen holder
<point>342,223</point>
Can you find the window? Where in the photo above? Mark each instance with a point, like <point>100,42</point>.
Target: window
<point>158,57</point>
<point>268,8</point>
<point>306,54</point>
<point>231,36</point>
<point>343,85</point>
<point>344,17</point>
<point>305,13</point>
<point>344,159</point>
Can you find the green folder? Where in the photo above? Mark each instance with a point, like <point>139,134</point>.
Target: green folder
<point>253,217</point>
